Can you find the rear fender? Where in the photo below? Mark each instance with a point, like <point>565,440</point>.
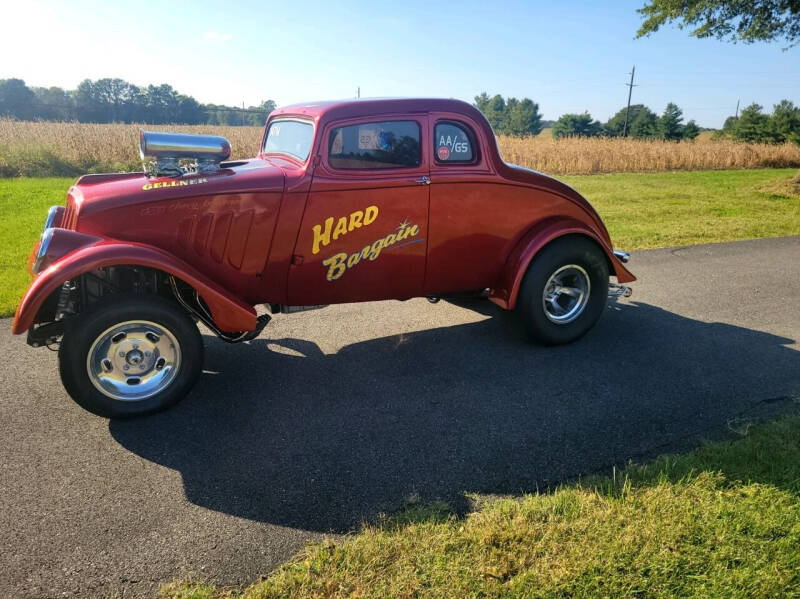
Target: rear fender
<point>228,312</point>
<point>507,289</point>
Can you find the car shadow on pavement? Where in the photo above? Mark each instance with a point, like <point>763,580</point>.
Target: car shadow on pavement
<point>284,434</point>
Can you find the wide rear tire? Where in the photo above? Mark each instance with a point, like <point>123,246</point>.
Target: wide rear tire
<point>130,356</point>
<point>564,291</point>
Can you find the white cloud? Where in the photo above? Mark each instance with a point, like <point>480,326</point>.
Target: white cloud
<point>216,36</point>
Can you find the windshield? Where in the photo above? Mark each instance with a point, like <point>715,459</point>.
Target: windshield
<point>289,137</point>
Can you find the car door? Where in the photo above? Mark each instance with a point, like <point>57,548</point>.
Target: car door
<point>365,227</point>
<point>465,251</point>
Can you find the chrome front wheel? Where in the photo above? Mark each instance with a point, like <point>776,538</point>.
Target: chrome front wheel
<point>130,356</point>
<point>133,360</point>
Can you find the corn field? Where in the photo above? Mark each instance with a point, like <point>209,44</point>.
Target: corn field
<point>70,149</point>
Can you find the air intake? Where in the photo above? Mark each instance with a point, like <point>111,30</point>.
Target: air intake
<point>168,149</point>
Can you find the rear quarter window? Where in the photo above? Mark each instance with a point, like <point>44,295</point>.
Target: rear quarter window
<point>452,143</point>
<point>385,144</point>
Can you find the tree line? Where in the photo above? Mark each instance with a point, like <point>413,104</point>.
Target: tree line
<point>753,125</point>
<point>117,101</point>
<point>521,117</point>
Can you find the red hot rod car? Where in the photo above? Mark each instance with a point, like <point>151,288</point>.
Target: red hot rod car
<point>345,202</point>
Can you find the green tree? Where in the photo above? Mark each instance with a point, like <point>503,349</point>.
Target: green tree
<point>496,113</point>
<point>258,114</point>
<point>734,20</point>
<point>577,125</point>
<point>162,104</point>
<point>639,112</point>
<point>190,111</point>
<point>16,99</point>
<point>512,116</point>
<point>751,126</point>
<point>784,123</point>
<point>524,118</point>
<point>691,130</point>
<point>116,98</point>
<point>645,125</point>
<point>54,104</point>
<point>670,125</point>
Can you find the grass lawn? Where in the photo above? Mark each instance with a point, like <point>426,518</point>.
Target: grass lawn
<point>722,521</point>
<point>683,208</point>
<point>641,210</point>
<point>23,207</point>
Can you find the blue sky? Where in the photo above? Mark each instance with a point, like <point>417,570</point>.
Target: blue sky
<point>568,56</point>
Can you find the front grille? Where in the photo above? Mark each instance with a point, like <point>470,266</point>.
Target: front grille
<point>69,214</point>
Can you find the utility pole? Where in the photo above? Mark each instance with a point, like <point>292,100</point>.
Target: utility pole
<point>737,108</point>
<point>358,92</point>
<point>628,109</point>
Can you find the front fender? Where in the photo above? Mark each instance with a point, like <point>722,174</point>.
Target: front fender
<point>507,288</point>
<point>229,312</point>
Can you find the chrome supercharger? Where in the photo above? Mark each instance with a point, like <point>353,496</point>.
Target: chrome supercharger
<point>168,149</point>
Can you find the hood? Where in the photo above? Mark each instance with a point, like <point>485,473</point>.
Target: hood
<point>94,194</point>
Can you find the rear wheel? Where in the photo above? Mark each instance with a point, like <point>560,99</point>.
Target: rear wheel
<point>129,357</point>
<point>564,291</point>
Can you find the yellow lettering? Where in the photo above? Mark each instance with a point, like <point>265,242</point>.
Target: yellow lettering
<point>355,220</point>
<point>320,237</point>
<point>413,231</point>
<point>336,266</point>
<point>173,183</point>
<point>370,214</point>
<point>389,240</point>
<point>341,228</point>
<point>353,259</point>
<point>375,250</point>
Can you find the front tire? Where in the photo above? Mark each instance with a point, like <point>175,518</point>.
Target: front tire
<point>130,357</point>
<point>564,291</point>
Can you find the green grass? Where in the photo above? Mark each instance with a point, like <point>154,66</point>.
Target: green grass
<point>23,207</point>
<point>688,207</point>
<point>722,521</point>
<point>641,211</point>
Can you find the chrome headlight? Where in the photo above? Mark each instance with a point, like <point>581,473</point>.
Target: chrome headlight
<point>44,245</point>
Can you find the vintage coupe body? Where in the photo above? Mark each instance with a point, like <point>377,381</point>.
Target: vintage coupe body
<point>345,202</point>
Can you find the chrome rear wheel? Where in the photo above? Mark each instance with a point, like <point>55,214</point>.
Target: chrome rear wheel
<point>564,290</point>
<point>566,294</point>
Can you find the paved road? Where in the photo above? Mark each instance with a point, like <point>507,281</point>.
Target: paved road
<point>334,416</point>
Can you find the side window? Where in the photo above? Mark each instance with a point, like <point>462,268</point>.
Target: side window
<point>388,144</point>
<point>452,143</point>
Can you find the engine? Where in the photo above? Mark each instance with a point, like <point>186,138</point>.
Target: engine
<point>169,149</point>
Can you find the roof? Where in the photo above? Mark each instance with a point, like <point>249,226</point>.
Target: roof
<point>337,109</point>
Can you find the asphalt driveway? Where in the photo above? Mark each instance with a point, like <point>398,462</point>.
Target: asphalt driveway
<point>334,416</point>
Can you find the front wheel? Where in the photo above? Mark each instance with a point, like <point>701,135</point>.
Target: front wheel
<point>129,357</point>
<point>564,291</point>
